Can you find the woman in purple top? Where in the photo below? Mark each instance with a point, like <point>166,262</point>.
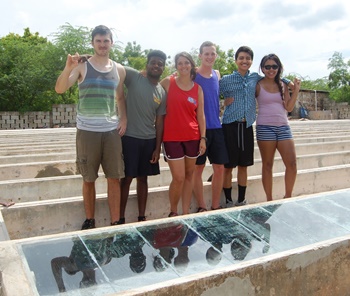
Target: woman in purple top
<point>272,128</point>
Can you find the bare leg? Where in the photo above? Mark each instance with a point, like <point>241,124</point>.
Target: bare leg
<point>217,184</point>
<point>242,176</point>
<point>190,164</point>
<point>125,187</point>
<point>228,177</point>
<point>198,186</point>
<point>267,152</point>
<point>142,192</point>
<point>287,150</point>
<point>113,191</point>
<point>89,196</point>
<point>177,169</point>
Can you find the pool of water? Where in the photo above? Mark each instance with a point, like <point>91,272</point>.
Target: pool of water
<point>111,260</point>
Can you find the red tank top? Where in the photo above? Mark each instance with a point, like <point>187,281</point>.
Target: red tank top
<point>180,123</point>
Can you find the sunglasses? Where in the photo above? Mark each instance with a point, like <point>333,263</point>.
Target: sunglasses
<point>268,67</point>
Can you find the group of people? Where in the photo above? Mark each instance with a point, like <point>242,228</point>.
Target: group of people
<point>170,245</point>
<point>181,115</point>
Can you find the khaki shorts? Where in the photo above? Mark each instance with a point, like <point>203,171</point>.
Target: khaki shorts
<point>99,148</point>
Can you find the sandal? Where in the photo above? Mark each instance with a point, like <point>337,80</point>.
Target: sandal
<point>7,204</point>
<point>173,214</point>
<point>201,210</point>
<point>218,208</point>
<point>141,218</point>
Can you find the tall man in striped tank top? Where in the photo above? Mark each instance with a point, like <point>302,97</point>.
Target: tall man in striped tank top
<point>101,121</point>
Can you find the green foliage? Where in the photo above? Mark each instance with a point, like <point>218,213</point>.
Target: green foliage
<point>339,78</point>
<point>30,65</point>
<point>26,72</point>
<point>308,84</point>
<point>225,62</point>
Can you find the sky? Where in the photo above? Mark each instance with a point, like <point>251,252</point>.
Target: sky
<point>303,33</point>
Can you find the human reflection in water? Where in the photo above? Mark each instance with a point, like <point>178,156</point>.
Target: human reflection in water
<point>238,229</point>
<point>168,239</point>
<point>217,230</point>
<point>255,221</point>
<point>85,256</point>
<point>129,243</point>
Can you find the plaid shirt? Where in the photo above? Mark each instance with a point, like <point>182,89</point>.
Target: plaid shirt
<point>242,89</point>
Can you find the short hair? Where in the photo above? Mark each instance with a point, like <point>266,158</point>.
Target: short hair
<point>101,30</point>
<point>156,53</point>
<point>206,44</point>
<point>246,49</point>
<point>137,261</point>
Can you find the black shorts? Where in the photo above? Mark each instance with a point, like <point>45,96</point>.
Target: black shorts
<point>137,156</point>
<point>239,143</point>
<point>216,148</point>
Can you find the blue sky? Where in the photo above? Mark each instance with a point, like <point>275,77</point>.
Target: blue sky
<point>304,34</point>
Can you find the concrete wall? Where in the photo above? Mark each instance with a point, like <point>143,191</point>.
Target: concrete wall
<point>320,107</point>
<point>319,269</point>
<point>60,115</point>
<point>65,115</point>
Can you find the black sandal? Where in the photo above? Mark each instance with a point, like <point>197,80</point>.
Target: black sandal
<point>201,210</point>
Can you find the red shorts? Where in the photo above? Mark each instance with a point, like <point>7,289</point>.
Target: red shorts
<point>178,150</point>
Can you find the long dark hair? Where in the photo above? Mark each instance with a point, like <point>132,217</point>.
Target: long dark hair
<point>189,57</point>
<point>278,76</point>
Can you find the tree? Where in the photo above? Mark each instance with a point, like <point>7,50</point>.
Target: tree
<point>339,78</point>
<point>27,73</point>
<point>71,40</point>
<point>225,62</point>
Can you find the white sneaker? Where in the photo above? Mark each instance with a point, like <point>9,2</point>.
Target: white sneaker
<point>229,204</point>
<point>242,203</point>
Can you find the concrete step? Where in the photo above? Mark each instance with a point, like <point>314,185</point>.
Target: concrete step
<point>67,184</point>
<point>67,167</point>
<point>13,142</point>
<point>55,203</point>
<point>29,219</point>
<point>69,154</point>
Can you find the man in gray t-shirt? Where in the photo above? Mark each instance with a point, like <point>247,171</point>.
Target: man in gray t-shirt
<point>146,108</point>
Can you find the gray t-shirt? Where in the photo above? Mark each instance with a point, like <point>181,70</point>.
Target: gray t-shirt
<point>144,101</point>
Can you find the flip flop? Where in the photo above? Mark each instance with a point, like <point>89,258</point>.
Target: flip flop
<point>7,204</point>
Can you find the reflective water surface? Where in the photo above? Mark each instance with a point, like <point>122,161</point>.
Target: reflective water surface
<point>104,262</point>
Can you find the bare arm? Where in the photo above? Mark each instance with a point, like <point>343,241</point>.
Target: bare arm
<point>56,266</point>
<point>289,101</point>
<point>201,121</point>
<point>70,74</point>
<point>159,124</point>
<point>121,105</point>
<point>165,83</point>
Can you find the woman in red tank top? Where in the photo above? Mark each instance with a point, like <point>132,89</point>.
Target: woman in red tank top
<point>184,130</point>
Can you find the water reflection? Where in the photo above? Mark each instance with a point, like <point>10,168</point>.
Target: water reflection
<point>85,256</point>
<point>170,239</point>
<point>122,258</point>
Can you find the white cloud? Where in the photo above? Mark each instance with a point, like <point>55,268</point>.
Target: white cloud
<point>305,34</point>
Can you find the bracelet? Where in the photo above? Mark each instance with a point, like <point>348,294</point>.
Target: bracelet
<point>204,138</point>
